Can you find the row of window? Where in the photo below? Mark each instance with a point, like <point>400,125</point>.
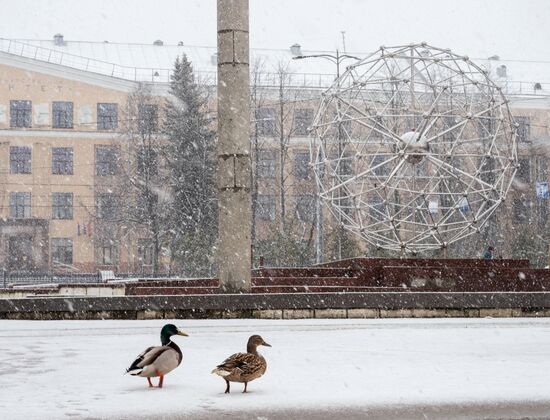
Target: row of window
<point>304,207</point>
<point>106,160</point>
<point>267,161</point>
<point>266,124</point>
<point>62,115</point>
<point>266,121</point>
<point>522,213</point>
<point>62,252</point>
<point>106,251</point>
<point>106,206</point>
<point>267,166</point>
<point>62,205</point>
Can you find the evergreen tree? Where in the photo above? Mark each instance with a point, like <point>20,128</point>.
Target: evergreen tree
<point>191,161</point>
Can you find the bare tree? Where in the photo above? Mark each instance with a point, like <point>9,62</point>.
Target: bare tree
<point>137,203</point>
<point>275,103</point>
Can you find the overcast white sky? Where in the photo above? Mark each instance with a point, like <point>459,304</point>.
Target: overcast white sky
<point>513,29</point>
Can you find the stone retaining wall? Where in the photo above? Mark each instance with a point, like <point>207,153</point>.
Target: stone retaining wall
<point>282,306</point>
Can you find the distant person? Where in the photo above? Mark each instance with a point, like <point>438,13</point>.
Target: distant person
<point>489,253</point>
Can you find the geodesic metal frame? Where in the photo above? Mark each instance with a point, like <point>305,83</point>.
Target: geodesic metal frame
<point>414,148</point>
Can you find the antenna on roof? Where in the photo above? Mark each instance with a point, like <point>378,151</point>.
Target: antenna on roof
<point>343,40</point>
<point>296,49</point>
<point>58,39</point>
<point>501,71</point>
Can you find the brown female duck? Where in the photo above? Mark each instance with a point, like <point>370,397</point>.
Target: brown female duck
<point>243,367</point>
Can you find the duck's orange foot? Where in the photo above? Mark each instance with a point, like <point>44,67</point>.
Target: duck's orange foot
<point>150,383</point>
<point>161,380</point>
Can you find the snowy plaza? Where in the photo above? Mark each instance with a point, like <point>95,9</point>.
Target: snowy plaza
<point>394,368</point>
<point>274,210</point>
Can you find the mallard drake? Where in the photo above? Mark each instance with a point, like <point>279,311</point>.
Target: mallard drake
<point>159,360</point>
<point>244,367</point>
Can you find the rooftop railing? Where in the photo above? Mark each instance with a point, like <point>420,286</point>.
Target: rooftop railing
<point>162,75</point>
<point>146,74</point>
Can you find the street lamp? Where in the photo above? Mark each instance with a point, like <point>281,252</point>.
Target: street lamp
<point>336,59</point>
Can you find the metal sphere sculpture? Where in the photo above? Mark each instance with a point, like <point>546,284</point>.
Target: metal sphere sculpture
<point>414,148</point>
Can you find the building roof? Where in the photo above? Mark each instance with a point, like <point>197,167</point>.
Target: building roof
<point>153,62</point>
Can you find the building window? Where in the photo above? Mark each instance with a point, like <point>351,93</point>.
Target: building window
<point>265,209</point>
<point>412,123</point>
<point>266,164</point>
<point>521,211</point>
<point>449,121</point>
<point>303,117</point>
<point>20,160</point>
<point>377,127</point>
<point>523,130</point>
<point>346,129</point>
<point>62,115</point>
<point>62,160</point>
<point>146,204</point>
<point>106,160</point>
<point>377,209</point>
<point>301,165</point>
<point>542,212</point>
<point>107,116</point>
<point>20,205</point>
<point>62,250</point>
<point>20,113</point>
<point>487,169</point>
<point>145,251</point>
<point>20,253</point>
<point>485,128</point>
<point>148,118</point>
<point>62,205</point>
<point>379,168</point>
<point>265,121</point>
<point>107,253</point>
<point>542,167</point>
<point>106,206</point>
<point>346,205</point>
<point>524,170</point>
<point>305,207</point>
<point>346,166</point>
<point>147,161</point>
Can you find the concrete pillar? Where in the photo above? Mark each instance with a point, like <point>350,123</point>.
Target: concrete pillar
<point>234,165</point>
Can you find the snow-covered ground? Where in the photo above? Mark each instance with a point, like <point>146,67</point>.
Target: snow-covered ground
<point>74,369</point>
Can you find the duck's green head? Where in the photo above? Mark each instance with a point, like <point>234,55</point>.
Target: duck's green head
<point>168,331</point>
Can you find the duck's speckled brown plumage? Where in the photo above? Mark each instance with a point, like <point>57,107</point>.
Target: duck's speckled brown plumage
<point>243,367</point>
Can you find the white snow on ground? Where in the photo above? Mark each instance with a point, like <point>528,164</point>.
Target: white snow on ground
<point>72,369</point>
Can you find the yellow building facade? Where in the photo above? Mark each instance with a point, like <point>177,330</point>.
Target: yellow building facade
<point>59,140</point>
<point>62,144</point>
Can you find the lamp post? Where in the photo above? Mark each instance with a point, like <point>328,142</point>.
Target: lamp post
<point>337,59</point>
